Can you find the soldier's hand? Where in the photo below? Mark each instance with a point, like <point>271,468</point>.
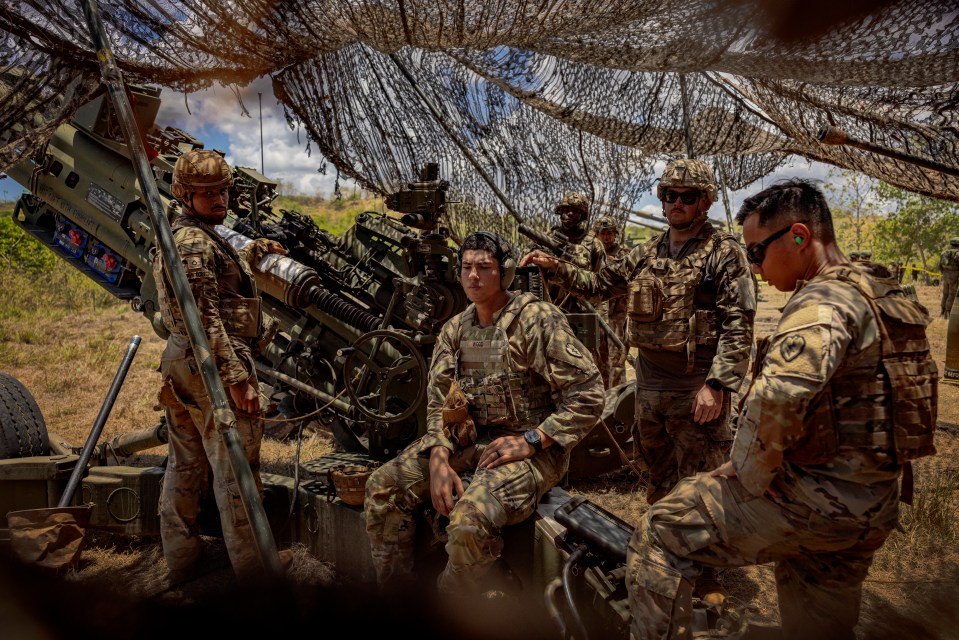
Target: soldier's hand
<point>276,247</point>
<point>505,449</point>
<point>540,259</point>
<point>445,483</point>
<point>707,405</point>
<point>725,470</point>
<point>245,396</point>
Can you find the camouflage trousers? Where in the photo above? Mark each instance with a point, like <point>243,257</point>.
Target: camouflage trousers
<point>493,499</point>
<point>195,446</point>
<point>714,522</point>
<point>950,282</point>
<point>672,444</point>
<point>612,358</point>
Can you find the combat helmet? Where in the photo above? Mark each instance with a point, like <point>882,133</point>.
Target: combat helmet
<point>954,242</point>
<point>689,173</point>
<point>575,201</point>
<point>200,170</point>
<point>865,255</point>
<point>604,223</point>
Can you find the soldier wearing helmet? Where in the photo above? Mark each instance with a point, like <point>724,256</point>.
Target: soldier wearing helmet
<point>691,301</point>
<point>582,248</point>
<point>607,230</point>
<point>855,256</point>
<point>222,283</point>
<point>949,267</point>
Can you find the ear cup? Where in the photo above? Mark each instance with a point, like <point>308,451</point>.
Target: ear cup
<point>507,271</point>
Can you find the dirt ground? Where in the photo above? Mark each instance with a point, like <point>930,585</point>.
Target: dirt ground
<point>903,597</point>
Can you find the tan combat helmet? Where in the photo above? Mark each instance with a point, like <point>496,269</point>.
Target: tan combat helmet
<point>575,201</point>
<point>689,173</point>
<point>865,255</point>
<point>200,170</point>
<point>604,223</point>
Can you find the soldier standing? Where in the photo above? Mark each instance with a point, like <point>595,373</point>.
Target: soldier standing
<point>615,357</point>
<point>222,284</point>
<point>812,480</point>
<point>949,268</point>
<point>691,305</point>
<point>531,392</point>
<point>582,248</point>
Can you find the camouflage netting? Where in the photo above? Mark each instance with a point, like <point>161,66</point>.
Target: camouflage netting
<point>547,97</point>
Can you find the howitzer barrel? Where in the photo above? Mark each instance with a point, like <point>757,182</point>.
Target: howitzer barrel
<point>298,286</point>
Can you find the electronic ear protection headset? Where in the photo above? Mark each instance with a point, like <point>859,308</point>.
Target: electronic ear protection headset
<point>507,263</point>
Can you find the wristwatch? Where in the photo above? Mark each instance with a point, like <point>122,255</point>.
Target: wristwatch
<point>532,437</point>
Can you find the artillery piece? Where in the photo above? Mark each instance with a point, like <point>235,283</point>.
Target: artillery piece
<point>357,313</point>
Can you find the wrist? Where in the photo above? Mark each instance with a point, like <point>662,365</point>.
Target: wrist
<point>715,385</point>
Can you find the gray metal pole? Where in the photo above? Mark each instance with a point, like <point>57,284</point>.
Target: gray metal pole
<point>222,413</point>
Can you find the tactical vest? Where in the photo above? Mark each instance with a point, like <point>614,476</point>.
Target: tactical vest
<point>240,316</point>
<point>497,395</point>
<point>661,303</point>
<point>891,412</point>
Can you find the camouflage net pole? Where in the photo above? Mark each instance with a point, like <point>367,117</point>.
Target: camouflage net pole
<point>223,414</point>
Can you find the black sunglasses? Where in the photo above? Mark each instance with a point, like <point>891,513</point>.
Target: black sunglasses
<point>688,197</point>
<point>757,253</point>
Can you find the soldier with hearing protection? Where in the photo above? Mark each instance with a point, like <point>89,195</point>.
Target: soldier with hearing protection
<point>843,396</point>
<point>511,391</point>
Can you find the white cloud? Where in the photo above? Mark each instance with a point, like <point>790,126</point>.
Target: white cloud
<point>217,118</point>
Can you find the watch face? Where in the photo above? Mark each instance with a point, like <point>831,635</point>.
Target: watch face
<point>532,437</point>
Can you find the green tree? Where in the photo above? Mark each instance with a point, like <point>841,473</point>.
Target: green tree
<point>852,199</point>
<point>917,226</point>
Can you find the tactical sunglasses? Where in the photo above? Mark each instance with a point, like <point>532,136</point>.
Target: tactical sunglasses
<point>757,252</point>
<point>688,197</point>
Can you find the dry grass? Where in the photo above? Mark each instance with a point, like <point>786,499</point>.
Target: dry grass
<point>64,340</point>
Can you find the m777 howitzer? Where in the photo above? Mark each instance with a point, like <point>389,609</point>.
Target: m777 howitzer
<point>358,315</point>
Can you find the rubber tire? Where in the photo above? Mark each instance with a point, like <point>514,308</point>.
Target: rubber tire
<point>23,431</point>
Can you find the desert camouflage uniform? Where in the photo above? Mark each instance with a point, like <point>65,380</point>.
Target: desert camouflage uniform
<point>225,292</point>
<point>949,267</point>
<point>541,348</point>
<point>816,489</point>
<point>614,312</point>
<point>673,445</point>
<point>585,251</point>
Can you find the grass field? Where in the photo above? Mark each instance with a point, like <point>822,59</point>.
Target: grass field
<point>63,338</point>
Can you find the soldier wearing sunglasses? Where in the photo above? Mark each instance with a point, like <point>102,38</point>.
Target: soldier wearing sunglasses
<point>690,307</point>
<point>843,399</point>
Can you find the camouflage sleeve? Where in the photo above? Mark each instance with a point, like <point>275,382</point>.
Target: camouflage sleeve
<point>200,261</point>
<point>253,253</point>
<point>598,255</point>
<point>809,344</point>
<point>442,371</point>
<point>554,352</point>
<point>609,281</point>
<point>736,307</point>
